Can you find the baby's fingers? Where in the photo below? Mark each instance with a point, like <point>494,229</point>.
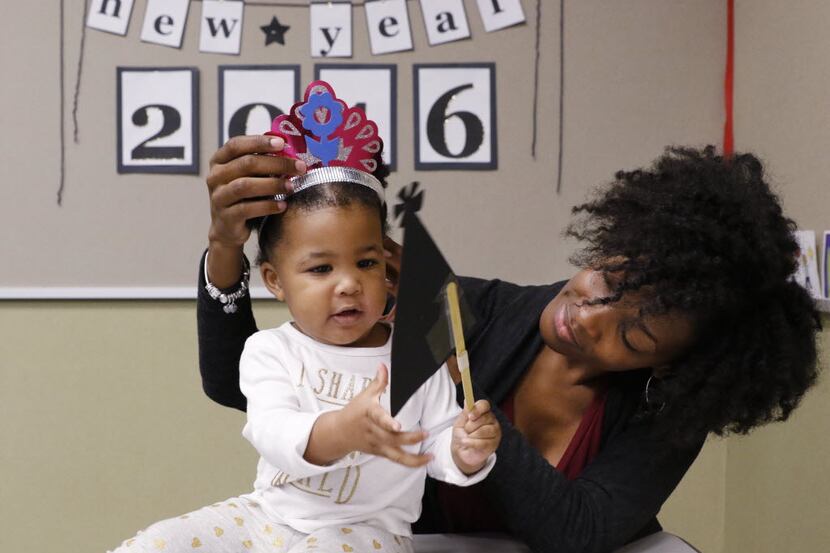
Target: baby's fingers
<point>408,438</point>
<point>381,380</point>
<point>400,456</point>
<point>487,432</point>
<point>385,437</point>
<point>472,425</point>
<point>479,444</point>
<point>480,408</point>
<point>380,417</point>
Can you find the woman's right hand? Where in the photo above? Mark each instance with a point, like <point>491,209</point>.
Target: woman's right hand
<point>241,184</point>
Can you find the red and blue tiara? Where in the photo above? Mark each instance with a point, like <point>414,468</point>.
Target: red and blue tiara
<point>336,142</point>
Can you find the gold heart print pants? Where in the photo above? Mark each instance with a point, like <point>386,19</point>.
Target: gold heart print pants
<point>239,525</point>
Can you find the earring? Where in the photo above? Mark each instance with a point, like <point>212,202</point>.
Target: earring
<point>648,401</point>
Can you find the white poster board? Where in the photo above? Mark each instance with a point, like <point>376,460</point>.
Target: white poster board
<point>375,89</point>
<point>252,96</point>
<point>455,116</point>
<point>158,124</point>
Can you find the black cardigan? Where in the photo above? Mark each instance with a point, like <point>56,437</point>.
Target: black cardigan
<point>616,498</point>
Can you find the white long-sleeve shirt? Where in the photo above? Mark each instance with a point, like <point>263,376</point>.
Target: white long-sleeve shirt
<point>291,379</point>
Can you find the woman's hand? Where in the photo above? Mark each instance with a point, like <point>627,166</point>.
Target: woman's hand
<point>241,184</point>
<point>371,429</point>
<point>392,251</point>
<point>475,436</point>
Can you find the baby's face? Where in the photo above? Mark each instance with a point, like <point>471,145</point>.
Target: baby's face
<point>331,272</point>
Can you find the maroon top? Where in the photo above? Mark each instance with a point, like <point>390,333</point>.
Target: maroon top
<point>469,510</point>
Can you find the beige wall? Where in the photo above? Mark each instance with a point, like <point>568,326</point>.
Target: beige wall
<point>105,428</point>
<point>777,484</point>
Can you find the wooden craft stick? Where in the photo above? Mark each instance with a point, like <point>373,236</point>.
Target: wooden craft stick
<point>460,348</point>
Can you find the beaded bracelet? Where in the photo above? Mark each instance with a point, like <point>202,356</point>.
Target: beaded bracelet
<point>228,300</point>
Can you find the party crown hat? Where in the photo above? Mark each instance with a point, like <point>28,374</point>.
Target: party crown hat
<point>338,143</point>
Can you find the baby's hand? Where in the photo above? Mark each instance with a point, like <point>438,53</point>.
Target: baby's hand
<point>475,435</point>
<point>369,428</point>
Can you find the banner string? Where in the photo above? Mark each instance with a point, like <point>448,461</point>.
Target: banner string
<point>561,93</point>
<point>297,5</point>
<point>536,75</point>
<point>78,74</point>
<point>62,109</point>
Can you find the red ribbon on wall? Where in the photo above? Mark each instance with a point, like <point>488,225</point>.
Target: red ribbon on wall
<point>728,137</point>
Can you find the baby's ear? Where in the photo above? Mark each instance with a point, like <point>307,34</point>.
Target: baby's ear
<point>271,278</point>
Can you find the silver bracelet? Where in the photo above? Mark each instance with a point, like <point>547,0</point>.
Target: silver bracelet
<point>228,300</point>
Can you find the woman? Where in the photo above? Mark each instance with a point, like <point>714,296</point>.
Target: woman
<point>682,321</point>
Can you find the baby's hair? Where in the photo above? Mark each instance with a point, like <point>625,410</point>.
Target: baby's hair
<point>335,194</point>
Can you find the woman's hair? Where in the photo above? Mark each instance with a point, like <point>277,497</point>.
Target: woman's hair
<point>705,236</point>
<point>335,194</point>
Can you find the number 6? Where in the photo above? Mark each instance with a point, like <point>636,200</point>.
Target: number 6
<point>474,129</point>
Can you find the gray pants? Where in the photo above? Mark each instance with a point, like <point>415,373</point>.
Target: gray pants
<point>239,525</point>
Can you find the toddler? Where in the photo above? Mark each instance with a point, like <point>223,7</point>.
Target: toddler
<point>336,472</point>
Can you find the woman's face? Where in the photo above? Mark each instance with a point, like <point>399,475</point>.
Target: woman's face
<point>613,337</point>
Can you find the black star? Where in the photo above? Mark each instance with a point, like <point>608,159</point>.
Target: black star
<point>274,32</point>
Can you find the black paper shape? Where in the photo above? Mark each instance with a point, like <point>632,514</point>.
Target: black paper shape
<point>422,339</point>
<point>411,199</point>
<point>274,32</point>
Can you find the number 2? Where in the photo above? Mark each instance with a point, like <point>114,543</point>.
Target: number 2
<point>172,121</point>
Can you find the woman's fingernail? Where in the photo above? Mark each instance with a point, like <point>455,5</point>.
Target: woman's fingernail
<point>281,206</point>
<point>277,143</point>
<point>387,253</point>
<point>300,165</point>
<point>289,186</point>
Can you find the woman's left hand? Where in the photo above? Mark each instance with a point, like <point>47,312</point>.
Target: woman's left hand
<point>475,436</point>
<point>392,251</point>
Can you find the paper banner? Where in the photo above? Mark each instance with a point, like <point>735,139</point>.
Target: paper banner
<point>445,20</point>
<point>112,16</point>
<point>221,26</point>
<point>388,25</point>
<point>375,89</point>
<point>158,124</point>
<point>499,14</point>
<point>164,22</point>
<point>331,29</point>
<point>252,96</point>
<point>455,116</point>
